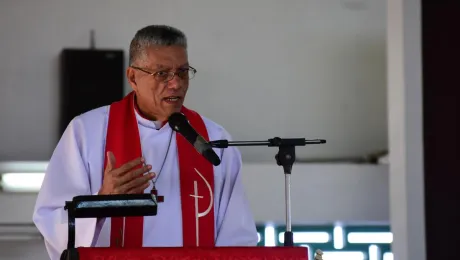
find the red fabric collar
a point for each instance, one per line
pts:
(196, 179)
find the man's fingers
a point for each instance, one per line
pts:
(128, 166)
(110, 161)
(136, 183)
(127, 177)
(139, 189)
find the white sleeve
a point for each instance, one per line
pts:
(66, 177)
(236, 225)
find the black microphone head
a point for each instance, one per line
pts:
(177, 120)
(179, 123)
(212, 157)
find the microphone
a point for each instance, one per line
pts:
(180, 124)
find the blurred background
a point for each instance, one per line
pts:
(301, 68)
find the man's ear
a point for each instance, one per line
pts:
(131, 76)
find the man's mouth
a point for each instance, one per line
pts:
(172, 99)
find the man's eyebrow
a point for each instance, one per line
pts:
(161, 66)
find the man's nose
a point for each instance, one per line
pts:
(174, 83)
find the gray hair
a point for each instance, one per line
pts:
(162, 35)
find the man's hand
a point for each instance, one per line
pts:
(125, 179)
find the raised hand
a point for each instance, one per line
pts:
(126, 179)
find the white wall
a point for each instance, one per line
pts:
(321, 193)
(33, 250)
(313, 69)
(405, 94)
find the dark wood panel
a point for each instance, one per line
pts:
(441, 105)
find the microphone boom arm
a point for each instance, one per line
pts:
(270, 142)
(286, 158)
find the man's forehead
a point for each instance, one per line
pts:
(166, 57)
(166, 51)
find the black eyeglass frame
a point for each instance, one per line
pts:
(171, 74)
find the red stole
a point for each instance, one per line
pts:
(196, 178)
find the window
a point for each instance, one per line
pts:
(337, 242)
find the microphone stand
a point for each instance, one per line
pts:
(286, 158)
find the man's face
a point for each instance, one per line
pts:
(158, 98)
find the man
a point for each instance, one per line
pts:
(127, 148)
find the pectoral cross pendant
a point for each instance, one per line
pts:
(154, 191)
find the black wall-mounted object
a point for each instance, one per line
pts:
(90, 78)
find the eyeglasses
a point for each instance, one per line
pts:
(165, 76)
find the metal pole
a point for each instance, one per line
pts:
(288, 201)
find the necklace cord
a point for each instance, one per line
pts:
(164, 160)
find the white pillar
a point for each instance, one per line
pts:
(407, 216)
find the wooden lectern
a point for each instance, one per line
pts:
(100, 206)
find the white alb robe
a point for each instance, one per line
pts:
(76, 168)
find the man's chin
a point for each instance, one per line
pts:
(175, 110)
